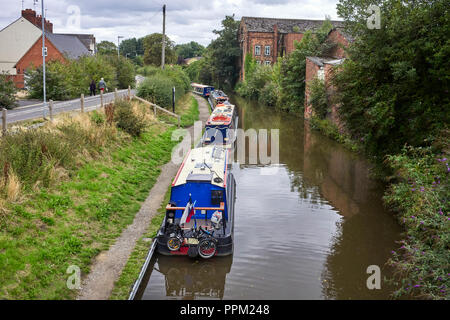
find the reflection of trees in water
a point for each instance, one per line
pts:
(320, 169)
(361, 241)
(188, 279)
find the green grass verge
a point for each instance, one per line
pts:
(188, 110)
(131, 271)
(70, 223)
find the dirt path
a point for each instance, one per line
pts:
(108, 265)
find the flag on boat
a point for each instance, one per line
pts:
(189, 211)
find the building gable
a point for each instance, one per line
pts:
(16, 39)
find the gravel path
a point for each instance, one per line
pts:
(108, 265)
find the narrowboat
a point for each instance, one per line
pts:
(220, 129)
(217, 97)
(199, 218)
(202, 89)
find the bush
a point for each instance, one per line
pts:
(269, 94)
(318, 98)
(157, 88)
(420, 197)
(126, 119)
(7, 92)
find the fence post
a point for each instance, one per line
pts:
(4, 126)
(101, 98)
(82, 103)
(50, 109)
(179, 121)
(129, 93)
(115, 95)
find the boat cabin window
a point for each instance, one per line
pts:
(216, 197)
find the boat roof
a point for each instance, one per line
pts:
(194, 169)
(200, 85)
(223, 111)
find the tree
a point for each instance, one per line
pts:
(7, 92)
(224, 52)
(189, 50)
(393, 89)
(106, 48)
(293, 67)
(153, 50)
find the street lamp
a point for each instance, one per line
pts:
(118, 40)
(44, 54)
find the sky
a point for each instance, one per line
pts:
(187, 20)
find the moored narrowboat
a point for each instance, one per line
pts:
(220, 129)
(217, 97)
(201, 89)
(199, 218)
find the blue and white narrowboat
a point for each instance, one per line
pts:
(201, 89)
(199, 218)
(217, 97)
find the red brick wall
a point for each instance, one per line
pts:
(336, 37)
(289, 41)
(34, 57)
(262, 39)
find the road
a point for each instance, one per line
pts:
(38, 110)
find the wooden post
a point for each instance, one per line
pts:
(154, 110)
(82, 103)
(4, 126)
(50, 109)
(116, 96)
(179, 121)
(129, 93)
(101, 98)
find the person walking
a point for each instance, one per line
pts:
(92, 87)
(102, 85)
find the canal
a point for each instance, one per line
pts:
(309, 231)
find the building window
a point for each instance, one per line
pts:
(267, 63)
(267, 50)
(257, 50)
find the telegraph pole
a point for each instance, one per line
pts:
(163, 55)
(118, 45)
(44, 53)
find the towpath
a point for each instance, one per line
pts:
(108, 265)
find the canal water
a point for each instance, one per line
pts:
(310, 231)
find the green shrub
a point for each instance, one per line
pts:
(126, 119)
(318, 98)
(157, 87)
(269, 94)
(7, 92)
(420, 196)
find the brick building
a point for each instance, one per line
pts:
(21, 45)
(269, 38)
(324, 69)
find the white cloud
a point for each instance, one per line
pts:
(187, 20)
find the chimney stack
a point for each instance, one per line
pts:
(31, 16)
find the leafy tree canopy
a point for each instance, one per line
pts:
(189, 50)
(106, 48)
(153, 50)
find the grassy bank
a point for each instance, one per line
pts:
(68, 190)
(131, 270)
(187, 108)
